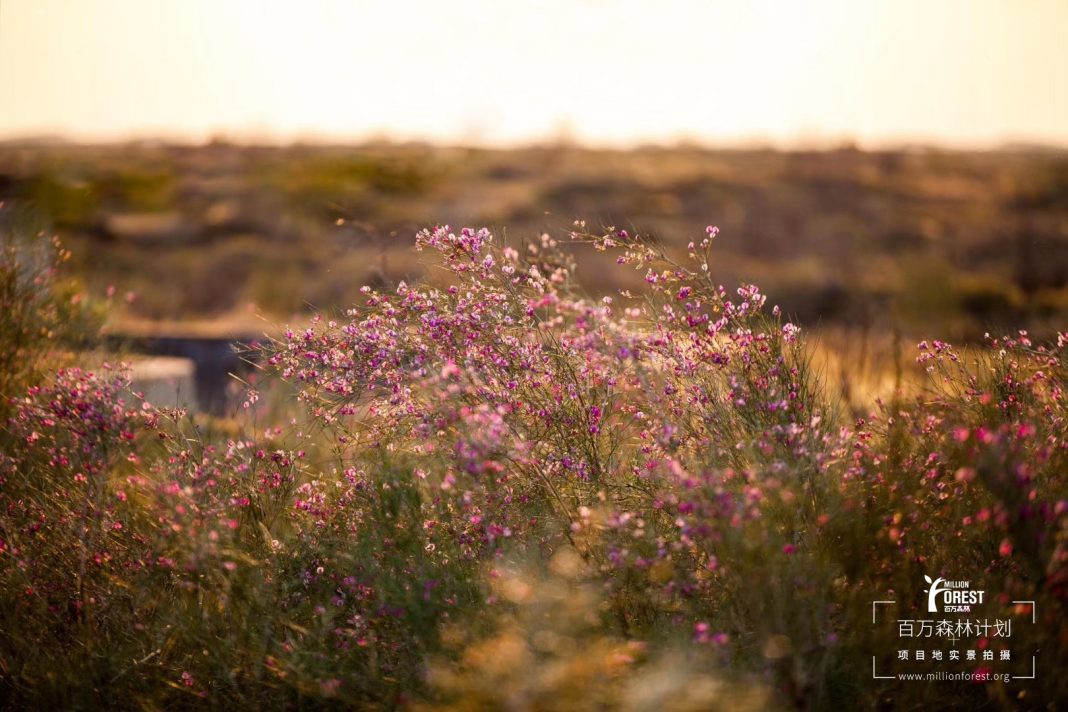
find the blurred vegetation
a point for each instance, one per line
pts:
(41, 315)
(920, 240)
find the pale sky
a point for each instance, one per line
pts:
(788, 72)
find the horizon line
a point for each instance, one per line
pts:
(260, 139)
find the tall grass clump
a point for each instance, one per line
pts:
(41, 315)
(490, 491)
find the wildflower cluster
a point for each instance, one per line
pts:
(469, 457)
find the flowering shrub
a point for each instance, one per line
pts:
(71, 538)
(492, 474)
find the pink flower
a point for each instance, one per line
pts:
(329, 688)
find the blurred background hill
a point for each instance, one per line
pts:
(929, 241)
(871, 165)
